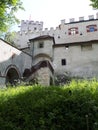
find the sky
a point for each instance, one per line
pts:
(51, 12)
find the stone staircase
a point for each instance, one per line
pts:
(34, 73)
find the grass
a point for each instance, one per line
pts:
(70, 107)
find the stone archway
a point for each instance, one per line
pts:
(12, 76)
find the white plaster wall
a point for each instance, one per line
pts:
(12, 56)
(86, 36)
(22, 39)
(60, 33)
(47, 49)
(78, 62)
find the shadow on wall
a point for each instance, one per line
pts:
(29, 73)
(12, 69)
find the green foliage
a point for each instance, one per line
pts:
(94, 3)
(70, 107)
(9, 37)
(7, 13)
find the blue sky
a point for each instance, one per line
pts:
(51, 12)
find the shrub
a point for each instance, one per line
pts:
(70, 107)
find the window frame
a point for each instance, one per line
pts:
(88, 28)
(41, 45)
(73, 31)
(63, 62)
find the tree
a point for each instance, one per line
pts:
(7, 13)
(9, 37)
(94, 3)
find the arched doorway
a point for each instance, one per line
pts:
(12, 76)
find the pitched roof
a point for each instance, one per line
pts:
(43, 37)
(13, 46)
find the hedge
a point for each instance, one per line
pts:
(70, 107)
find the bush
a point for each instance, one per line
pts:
(70, 107)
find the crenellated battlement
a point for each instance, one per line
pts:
(81, 19)
(28, 26)
(65, 31)
(26, 22)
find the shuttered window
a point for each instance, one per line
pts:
(73, 31)
(91, 28)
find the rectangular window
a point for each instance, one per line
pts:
(63, 61)
(73, 31)
(41, 45)
(35, 28)
(91, 28)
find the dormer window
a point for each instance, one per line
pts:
(91, 28)
(73, 31)
(41, 45)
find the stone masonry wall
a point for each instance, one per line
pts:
(81, 60)
(60, 33)
(43, 76)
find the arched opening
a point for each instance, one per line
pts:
(12, 77)
(42, 55)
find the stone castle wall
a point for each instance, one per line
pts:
(81, 60)
(11, 57)
(29, 29)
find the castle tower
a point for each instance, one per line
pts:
(42, 53)
(30, 26)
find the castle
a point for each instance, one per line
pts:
(70, 49)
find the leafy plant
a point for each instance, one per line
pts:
(73, 106)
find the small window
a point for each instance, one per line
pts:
(35, 28)
(91, 28)
(73, 31)
(41, 45)
(63, 61)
